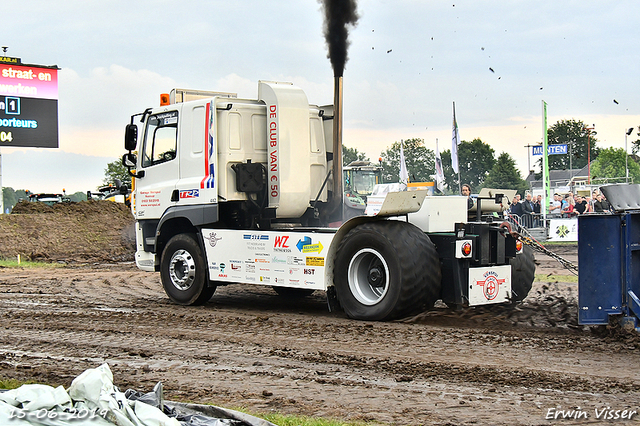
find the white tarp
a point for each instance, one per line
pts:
(92, 399)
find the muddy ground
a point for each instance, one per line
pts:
(249, 347)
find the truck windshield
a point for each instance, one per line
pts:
(361, 182)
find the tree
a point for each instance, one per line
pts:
(577, 136)
(78, 196)
(475, 160)
(635, 145)
(115, 170)
(420, 161)
(352, 154)
(11, 197)
(611, 164)
(505, 175)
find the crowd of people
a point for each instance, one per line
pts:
(570, 206)
(561, 206)
(529, 210)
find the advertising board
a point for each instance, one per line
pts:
(28, 104)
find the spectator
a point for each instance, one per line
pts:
(592, 201)
(527, 211)
(564, 202)
(537, 205)
(527, 204)
(569, 202)
(601, 205)
(589, 204)
(555, 206)
(581, 206)
(466, 191)
(516, 207)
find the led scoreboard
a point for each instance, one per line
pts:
(28, 104)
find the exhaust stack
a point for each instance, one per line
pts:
(337, 198)
(339, 16)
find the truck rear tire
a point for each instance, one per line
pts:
(385, 270)
(183, 271)
(523, 273)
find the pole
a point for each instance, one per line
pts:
(528, 157)
(626, 155)
(626, 160)
(589, 129)
(545, 161)
(570, 161)
(589, 157)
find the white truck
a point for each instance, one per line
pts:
(229, 190)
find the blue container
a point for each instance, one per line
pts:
(609, 267)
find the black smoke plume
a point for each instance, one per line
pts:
(338, 15)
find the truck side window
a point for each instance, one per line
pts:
(161, 138)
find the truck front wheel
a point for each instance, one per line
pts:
(386, 270)
(183, 271)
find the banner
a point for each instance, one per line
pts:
(455, 141)
(439, 171)
(551, 150)
(563, 229)
(404, 174)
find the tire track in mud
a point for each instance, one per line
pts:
(249, 347)
(110, 330)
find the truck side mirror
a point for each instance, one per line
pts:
(129, 160)
(130, 137)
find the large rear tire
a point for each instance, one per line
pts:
(183, 271)
(386, 270)
(523, 273)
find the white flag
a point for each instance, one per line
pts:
(455, 141)
(439, 171)
(404, 174)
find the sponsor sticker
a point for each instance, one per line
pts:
(189, 193)
(315, 261)
(491, 285)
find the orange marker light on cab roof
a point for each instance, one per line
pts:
(164, 99)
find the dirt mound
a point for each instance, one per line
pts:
(25, 207)
(88, 231)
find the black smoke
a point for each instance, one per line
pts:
(338, 16)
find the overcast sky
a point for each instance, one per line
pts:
(409, 60)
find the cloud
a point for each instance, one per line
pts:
(94, 109)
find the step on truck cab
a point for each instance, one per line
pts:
(230, 190)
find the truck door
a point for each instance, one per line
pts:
(198, 154)
(160, 165)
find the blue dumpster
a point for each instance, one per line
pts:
(609, 259)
